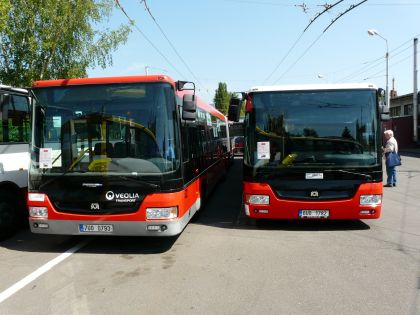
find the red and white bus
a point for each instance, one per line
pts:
(313, 151)
(15, 132)
(122, 155)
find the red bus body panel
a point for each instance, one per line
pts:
(289, 209)
(183, 199)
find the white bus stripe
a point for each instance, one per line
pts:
(40, 271)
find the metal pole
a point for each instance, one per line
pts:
(388, 104)
(415, 101)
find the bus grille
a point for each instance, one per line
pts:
(97, 208)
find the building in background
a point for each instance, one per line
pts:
(401, 111)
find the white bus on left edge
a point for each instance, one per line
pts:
(15, 132)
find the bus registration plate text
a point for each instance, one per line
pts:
(92, 228)
(313, 214)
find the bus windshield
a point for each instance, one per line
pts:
(325, 128)
(109, 128)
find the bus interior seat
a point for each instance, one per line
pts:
(103, 148)
(120, 150)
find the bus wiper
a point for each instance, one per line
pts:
(155, 187)
(365, 176)
(59, 176)
(312, 163)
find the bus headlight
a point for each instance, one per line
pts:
(161, 213)
(38, 212)
(370, 200)
(258, 199)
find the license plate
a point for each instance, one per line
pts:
(91, 228)
(314, 214)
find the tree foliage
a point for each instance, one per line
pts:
(222, 98)
(50, 39)
(4, 8)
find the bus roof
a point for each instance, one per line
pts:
(313, 87)
(126, 79)
(13, 89)
(104, 80)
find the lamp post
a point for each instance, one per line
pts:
(373, 33)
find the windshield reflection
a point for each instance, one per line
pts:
(115, 128)
(307, 128)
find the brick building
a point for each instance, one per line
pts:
(401, 111)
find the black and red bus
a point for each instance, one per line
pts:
(313, 151)
(130, 155)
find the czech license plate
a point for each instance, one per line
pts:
(313, 214)
(91, 228)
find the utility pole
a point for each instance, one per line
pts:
(415, 101)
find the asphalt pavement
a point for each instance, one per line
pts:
(222, 265)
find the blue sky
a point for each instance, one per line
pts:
(253, 42)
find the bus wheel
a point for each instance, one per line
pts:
(8, 218)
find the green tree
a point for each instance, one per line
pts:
(222, 98)
(4, 8)
(50, 39)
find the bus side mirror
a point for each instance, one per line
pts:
(234, 109)
(189, 107)
(383, 108)
(381, 100)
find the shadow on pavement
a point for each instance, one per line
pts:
(27, 242)
(311, 225)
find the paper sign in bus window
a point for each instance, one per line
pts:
(263, 150)
(45, 158)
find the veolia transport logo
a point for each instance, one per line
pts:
(122, 197)
(110, 195)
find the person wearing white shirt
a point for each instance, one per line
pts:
(391, 145)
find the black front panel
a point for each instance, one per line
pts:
(336, 184)
(315, 189)
(92, 206)
(97, 196)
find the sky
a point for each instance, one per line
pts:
(246, 43)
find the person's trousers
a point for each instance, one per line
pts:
(391, 174)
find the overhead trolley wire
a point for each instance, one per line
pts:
(353, 6)
(327, 8)
(390, 66)
(172, 46)
(374, 63)
(300, 57)
(132, 22)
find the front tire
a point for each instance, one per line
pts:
(8, 218)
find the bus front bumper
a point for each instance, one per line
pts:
(269, 206)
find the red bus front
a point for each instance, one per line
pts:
(313, 153)
(114, 156)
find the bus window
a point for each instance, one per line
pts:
(14, 122)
